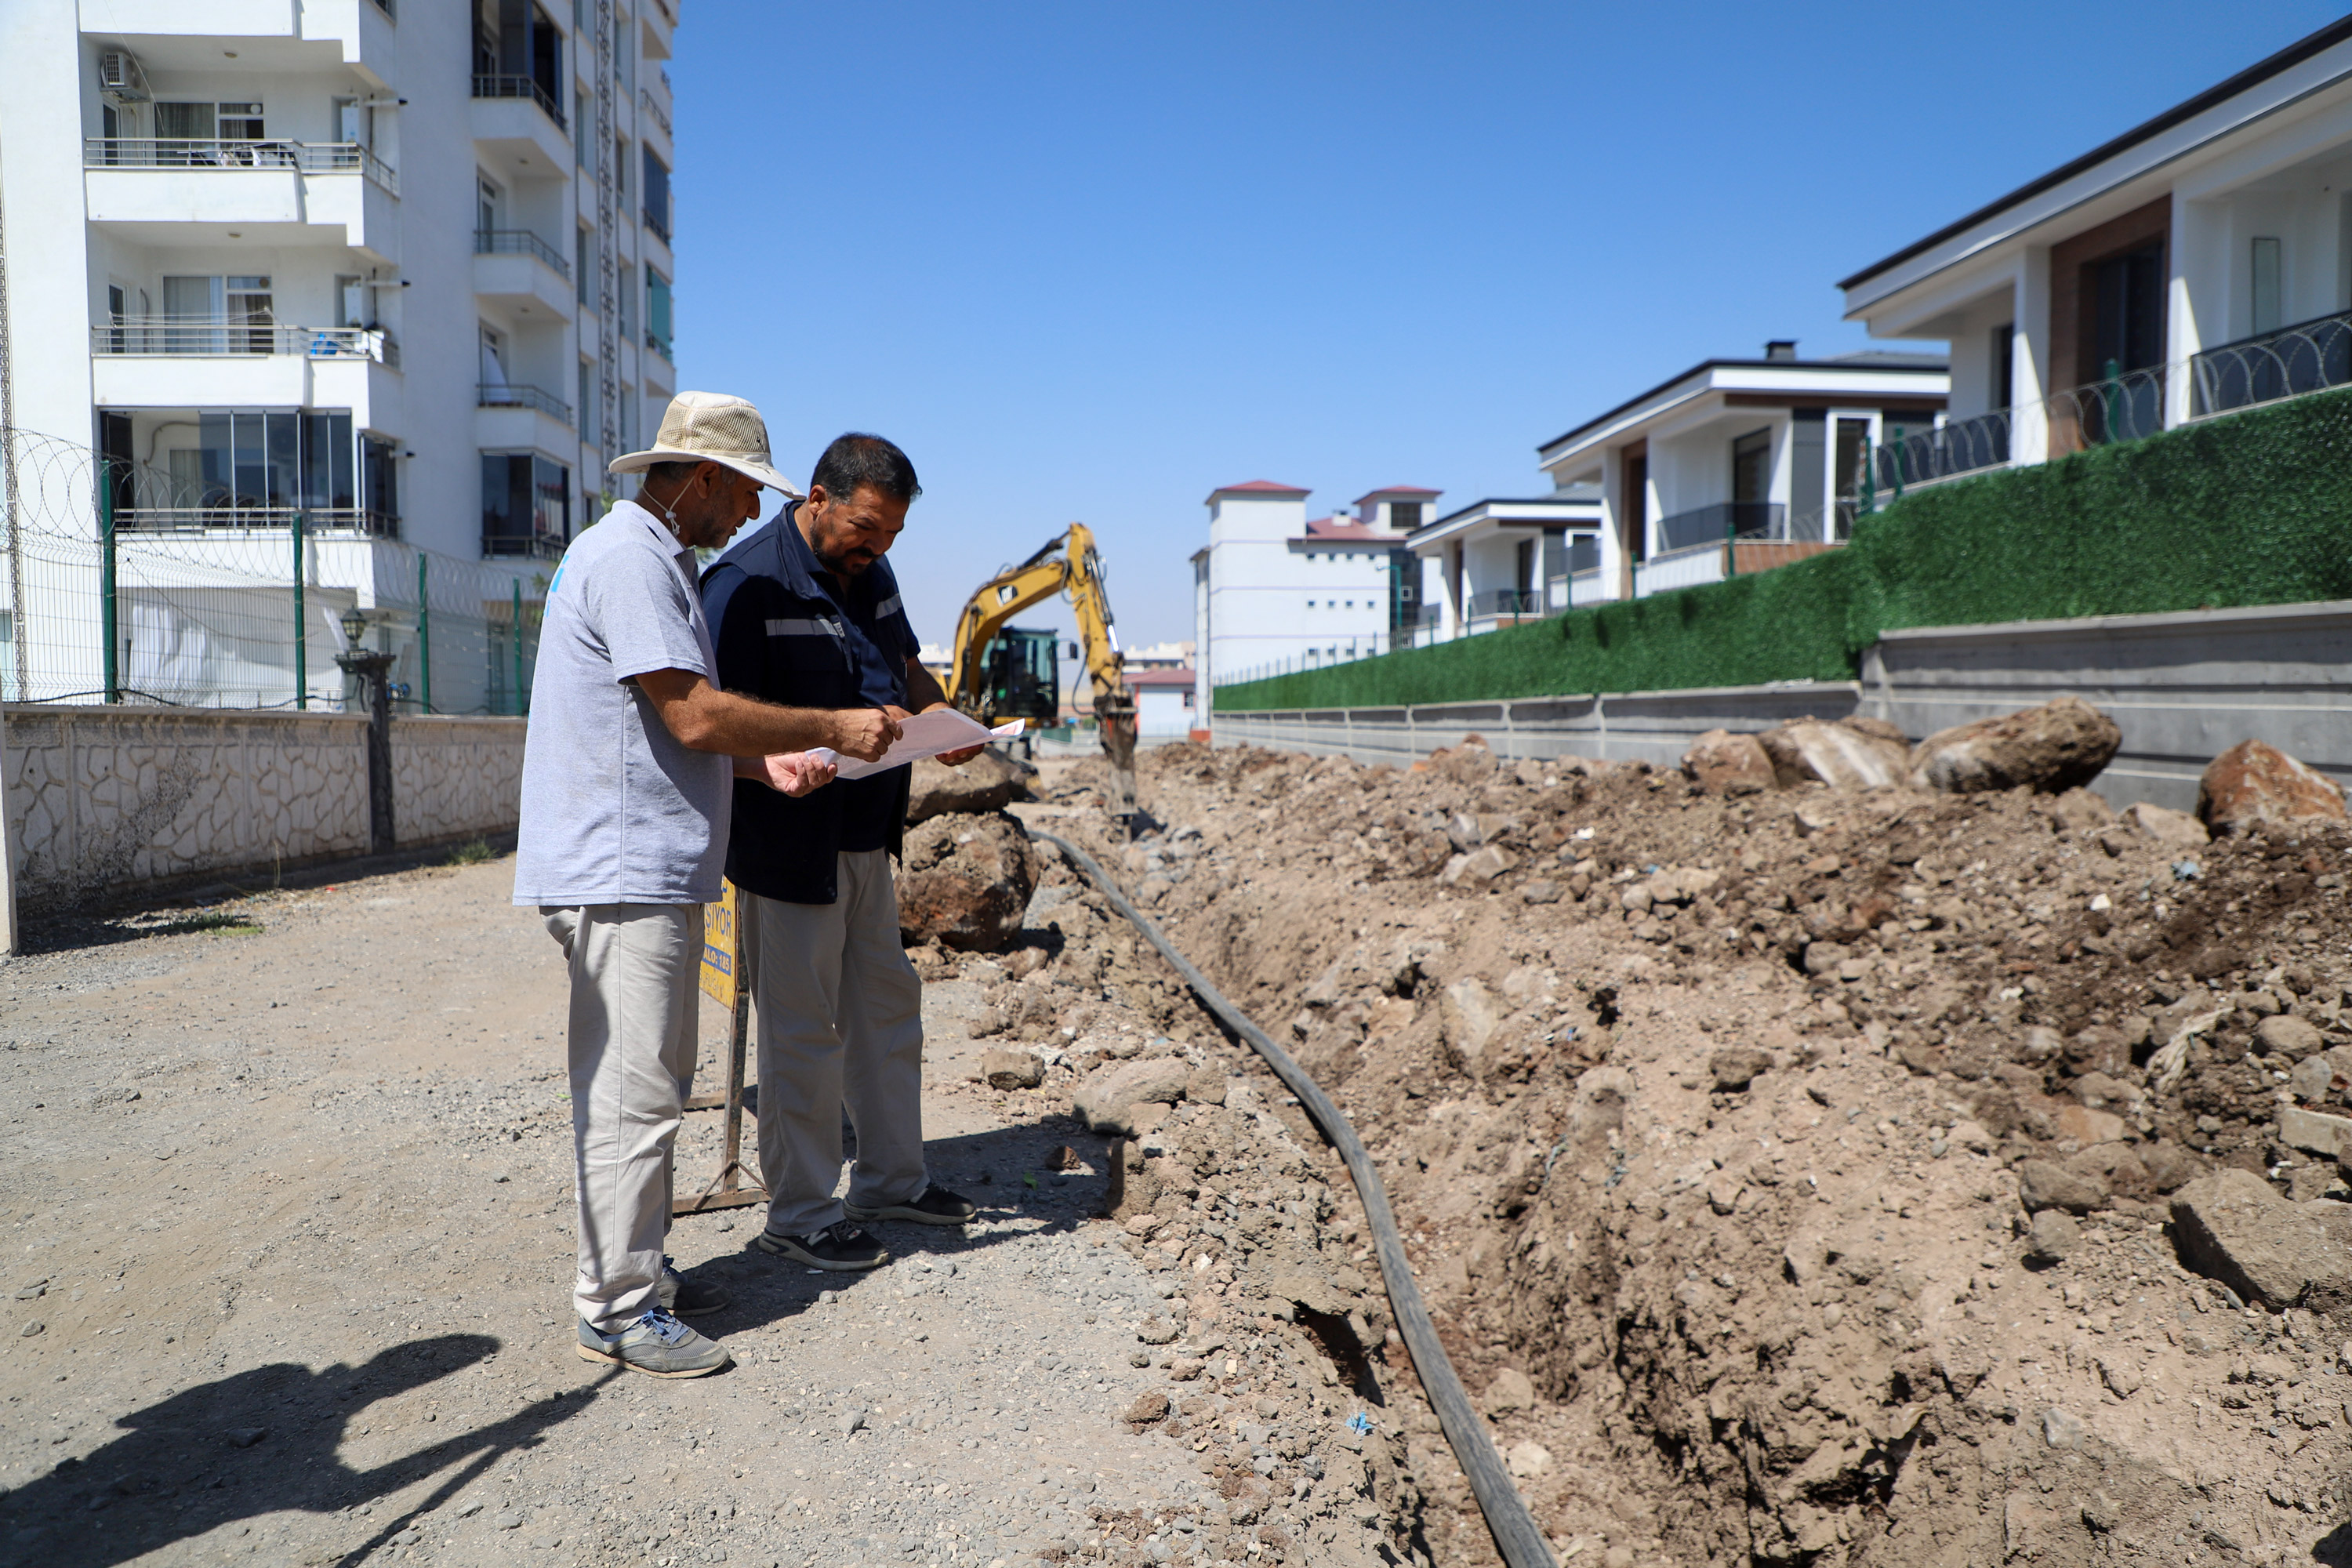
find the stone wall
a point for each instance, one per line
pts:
(101, 798)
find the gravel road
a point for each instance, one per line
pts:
(291, 1250)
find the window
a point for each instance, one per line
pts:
(584, 263)
(2269, 314)
(1523, 576)
(588, 401)
(240, 121)
(277, 460)
(657, 303)
(1751, 468)
(1852, 446)
(1404, 514)
(657, 194)
(1583, 552)
(629, 302)
(380, 484)
(583, 138)
(494, 360)
(621, 168)
(525, 504)
(486, 205)
(2001, 354)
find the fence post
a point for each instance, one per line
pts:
(301, 652)
(108, 613)
(424, 635)
(520, 705)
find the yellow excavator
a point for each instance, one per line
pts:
(1003, 672)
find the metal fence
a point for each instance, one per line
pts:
(243, 612)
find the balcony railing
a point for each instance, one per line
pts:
(515, 395)
(231, 516)
(2125, 405)
(519, 87)
(1725, 520)
(657, 224)
(519, 242)
(1506, 602)
(177, 336)
(2310, 356)
(654, 110)
(195, 152)
(661, 346)
(536, 546)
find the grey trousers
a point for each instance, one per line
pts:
(841, 1025)
(634, 978)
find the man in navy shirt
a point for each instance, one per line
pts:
(805, 611)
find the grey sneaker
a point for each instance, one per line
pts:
(933, 1205)
(686, 1298)
(657, 1344)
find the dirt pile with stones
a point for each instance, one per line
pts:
(1815, 1175)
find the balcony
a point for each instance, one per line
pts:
(517, 267)
(512, 416)
(1725, 520)
(149, 190)
(238, 519)
(1586, 587)
(362, 30)
(176, 335)
(169, 361)
(2310, 356)
(519, 119)
(2125, 405)
(655, 111)
(527, 87)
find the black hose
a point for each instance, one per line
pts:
(1515, 1534)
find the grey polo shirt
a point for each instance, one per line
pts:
(615, 810)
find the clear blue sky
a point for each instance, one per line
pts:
(1087, 262)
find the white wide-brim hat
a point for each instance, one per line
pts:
(710, 427)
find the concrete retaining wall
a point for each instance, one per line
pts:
(2183, 687)
(99, 798)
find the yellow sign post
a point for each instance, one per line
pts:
(725, 944)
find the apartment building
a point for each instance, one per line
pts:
(1273, 588)
(392, 274)
(2198, 264)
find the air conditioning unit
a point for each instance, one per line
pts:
(119, 73)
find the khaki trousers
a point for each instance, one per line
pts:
(633, 973)
(841, 1025)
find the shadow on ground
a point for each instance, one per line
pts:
(254, 1443)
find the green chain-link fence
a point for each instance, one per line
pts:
(235, 606)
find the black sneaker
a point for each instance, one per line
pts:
(936, 1206)
(840, 1247)
(685, 1298)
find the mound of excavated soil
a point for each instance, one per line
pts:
(1806, 1176)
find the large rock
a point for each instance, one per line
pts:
(965, 882)
(1724, 764)
(2052, 748)
(2233, 1227)
(2253, 782)
(989, 781)
(1106, 1098)
(1856, 755)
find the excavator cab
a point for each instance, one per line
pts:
(1021, 676)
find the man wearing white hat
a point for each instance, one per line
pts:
(628, 778)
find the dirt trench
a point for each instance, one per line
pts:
(1707, 1121)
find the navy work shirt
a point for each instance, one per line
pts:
(784, 633)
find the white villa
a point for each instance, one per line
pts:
(1735, 464)
(2195, 265)
(395, 278)
(1496, 563)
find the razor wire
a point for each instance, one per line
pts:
(125, 583)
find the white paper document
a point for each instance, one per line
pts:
(924, 735)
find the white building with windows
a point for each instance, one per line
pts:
(395, 271)
(1736, 465)
(2197, 264)
(1496, 563)
(1273, 590)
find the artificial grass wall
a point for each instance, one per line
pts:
(2247, 508)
